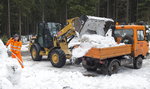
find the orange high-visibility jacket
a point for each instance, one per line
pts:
(15, 47)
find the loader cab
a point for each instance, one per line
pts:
(134, 35)
(46, 32)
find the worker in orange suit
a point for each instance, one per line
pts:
(15, 48)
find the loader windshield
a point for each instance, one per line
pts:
(123, 32)
(53, 28)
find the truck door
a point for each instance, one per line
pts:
(142, 44)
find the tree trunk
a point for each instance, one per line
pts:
(19, 21)
(43, 12)
(115, 9)
(98, 8)
(137, 11)
(9, 30)
(127, 12)
(66, 12)
(108, 8)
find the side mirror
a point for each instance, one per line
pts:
(148, 36)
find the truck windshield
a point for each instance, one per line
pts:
(123, 32)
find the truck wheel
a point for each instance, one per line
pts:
(137, 64)
(113, 67)
(35, 52)
(57, 58)
(86, 65)
(127, 40)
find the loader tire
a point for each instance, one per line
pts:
(127, 40)
(35, 52)
(137, 64)
(57, 58)
(88, 67)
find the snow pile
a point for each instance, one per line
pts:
(24, 39)
(73, 42)
(93, 41)
(25, 47)
(25, 42)
(10, 69)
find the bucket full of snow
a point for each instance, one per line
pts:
(93, 25)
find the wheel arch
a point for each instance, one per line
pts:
(36, 45)
(119, 62)
(142, 56)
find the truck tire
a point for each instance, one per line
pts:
(57, 58)
(113, 66)
(137, 64)
(127, 39)
(88, 67)
(35, 52)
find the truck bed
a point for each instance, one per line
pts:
(103, 53)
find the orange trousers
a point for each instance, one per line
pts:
(19, 57)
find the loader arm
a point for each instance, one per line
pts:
(61, 39)
(68, 30)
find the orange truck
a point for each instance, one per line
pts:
(108, 60)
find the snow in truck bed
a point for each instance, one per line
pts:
(88, 41)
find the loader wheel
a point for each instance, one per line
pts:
(57, 58)
(137, 64)
(113, 67)
(127, 40)
(89, 66)
(35, 50)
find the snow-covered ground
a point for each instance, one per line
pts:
(42, 75)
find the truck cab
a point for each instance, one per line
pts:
(135, 35)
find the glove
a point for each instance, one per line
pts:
(9, 51)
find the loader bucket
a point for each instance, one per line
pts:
(92, 25)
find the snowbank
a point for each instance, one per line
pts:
(25, 42)
(93, 41)
(10, 69)
(25, 47)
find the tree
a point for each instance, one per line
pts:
(143, 11)
(24, 15)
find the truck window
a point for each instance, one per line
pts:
(123, 32)
(140, 34)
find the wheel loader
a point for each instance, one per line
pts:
(52, 41)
